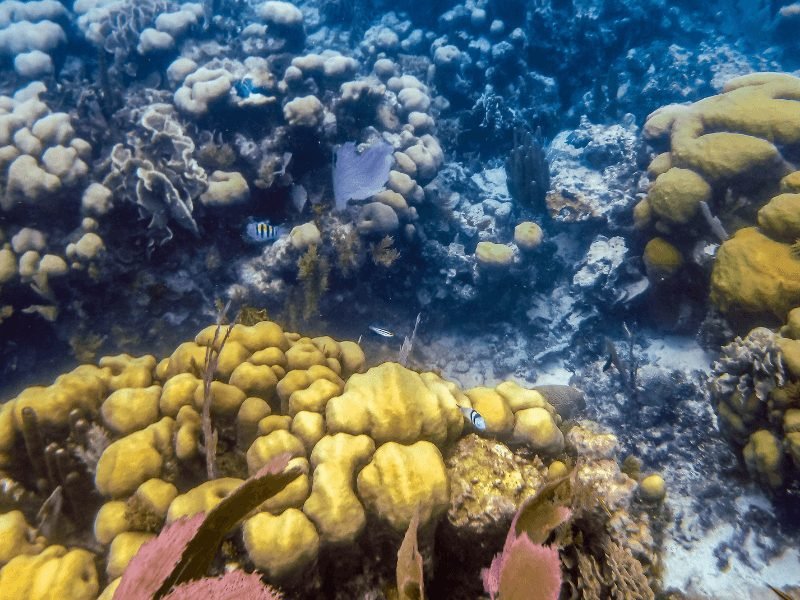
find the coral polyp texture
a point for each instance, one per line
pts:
(124, 446)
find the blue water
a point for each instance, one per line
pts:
(139, 139)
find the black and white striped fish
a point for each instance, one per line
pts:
(262, 232)
(474, 417)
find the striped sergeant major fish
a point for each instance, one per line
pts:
(474, 417)
(262, 232)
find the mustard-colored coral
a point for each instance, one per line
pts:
(661, 259)
(494, 256)
(133, 459)
(333, 505)
(676, 195)
(281, 546)
(129, 409)
(401, 479)
(763, 456)
(53, 573)
(755, 274)
(392, 403)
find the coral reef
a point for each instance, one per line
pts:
(382, 447)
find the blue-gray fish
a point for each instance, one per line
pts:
(474, 417)
(262, 232)
(381, 331)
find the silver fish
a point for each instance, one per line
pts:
(381, 331)
(262, 232)
(474, 417)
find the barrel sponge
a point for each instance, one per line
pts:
(82, 388)
(129, 409)
(780, 218)
(53, 573)
(763, 456)
(392, 403)
(755, 274)
(401, 479)
(130, 461)
(281, 546)
(676, 195)
(333, 505)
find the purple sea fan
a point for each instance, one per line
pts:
(235, 585)
(524, 571)
(359, 176)
(157, 558)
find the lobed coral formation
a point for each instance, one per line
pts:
(373, 447)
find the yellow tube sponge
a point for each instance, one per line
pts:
(129, 409)
(763, 456)
(53, 573)
(128, 371)
(333, 505)
(755, 274)
(123, 548)
(392, 403)
(402, 479)
(15, 534)
(281, 546)
(130, 461)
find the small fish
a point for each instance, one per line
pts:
(262, 232)
(381, 331)
(246, 86)
(474, 417)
